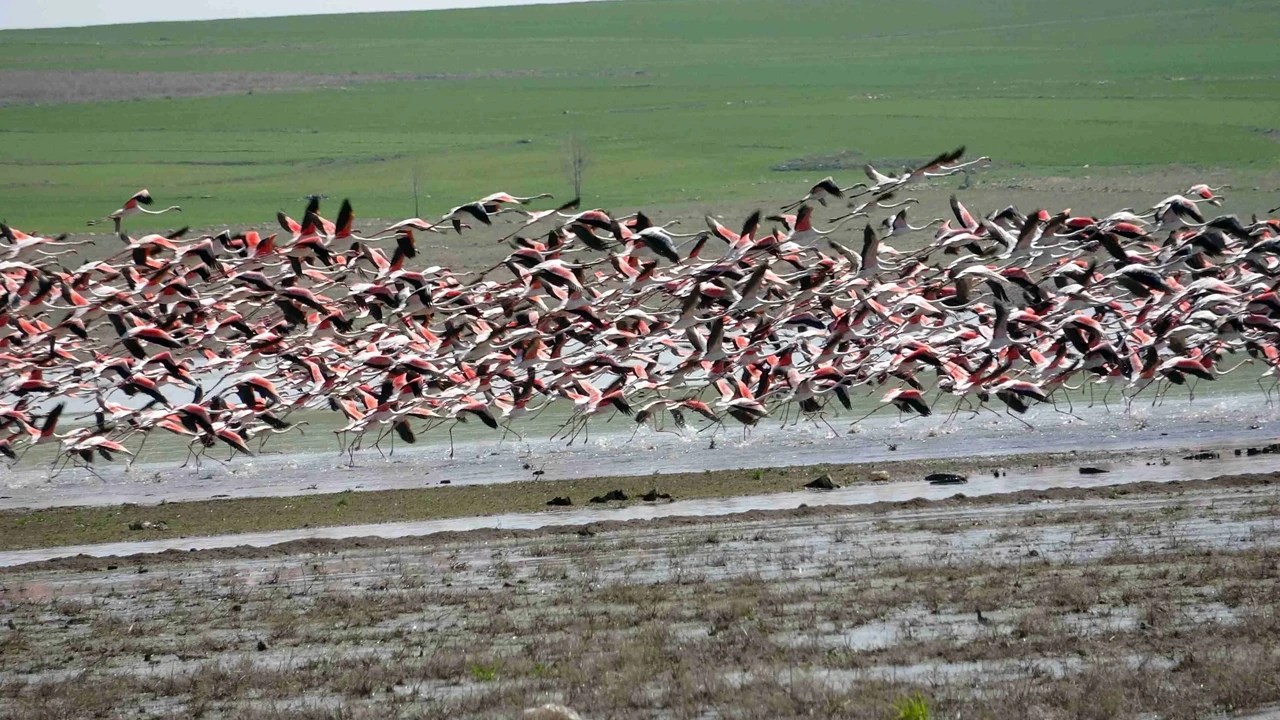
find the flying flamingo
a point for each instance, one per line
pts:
(133, 206)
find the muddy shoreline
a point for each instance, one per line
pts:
(25, 529)
(323, 546)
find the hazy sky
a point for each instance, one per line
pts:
(63, 13)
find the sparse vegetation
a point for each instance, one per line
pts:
(764, 616)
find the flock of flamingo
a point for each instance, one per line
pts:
(220, 339)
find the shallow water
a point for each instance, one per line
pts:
(1060, 476)
(481, 458)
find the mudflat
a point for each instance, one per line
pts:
(1106, 602)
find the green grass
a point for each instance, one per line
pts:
(914, 707)
(682, 101)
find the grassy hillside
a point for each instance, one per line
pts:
(680, 100)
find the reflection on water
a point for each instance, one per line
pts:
(1014, 480)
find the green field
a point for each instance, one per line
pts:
(681, 101)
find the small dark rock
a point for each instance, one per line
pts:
(943, 478)
(1033, 553)
(654, 496)
(610, 497)
(822, 482)
(1093, 471)
(1206, 455)
(559, 502)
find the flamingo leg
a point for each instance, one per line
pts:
(1015, 417)
(137, 454)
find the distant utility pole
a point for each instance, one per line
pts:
(576, 157)
(414, 177)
